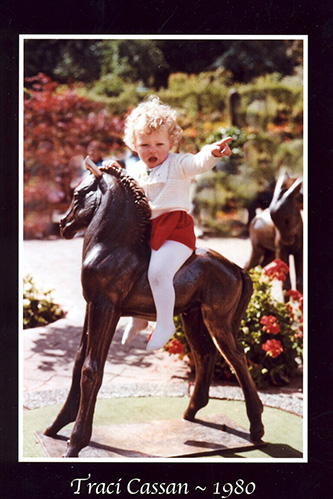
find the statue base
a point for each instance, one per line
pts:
(170, 438)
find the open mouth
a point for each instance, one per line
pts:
(153, 159)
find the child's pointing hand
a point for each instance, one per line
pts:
(221, 148)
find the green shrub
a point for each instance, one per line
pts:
(239, 137)
(271, 332)
(195, 94)
(290, 155)
(273, 86)
(38, 306)
(270, 99)
(116, 104)
(110, 85)
(261, 150)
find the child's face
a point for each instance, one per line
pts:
(153, 148)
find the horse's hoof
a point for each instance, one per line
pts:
(189, 415)
(70, 452)
(50, 432)
(256, 434)
(69, 455)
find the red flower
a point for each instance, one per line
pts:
(290, 310)
(273, 348)
(277, 270)
(270, 324)
(296, 296)
(175, 347)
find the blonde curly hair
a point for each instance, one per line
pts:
(150, 116)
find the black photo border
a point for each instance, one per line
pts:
(276, 480)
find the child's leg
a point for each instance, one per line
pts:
(133, 328)
(164, 263)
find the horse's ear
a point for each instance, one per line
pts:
(92, 167)
(295, 189)
(282, 179)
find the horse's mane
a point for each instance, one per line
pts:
(138, 195)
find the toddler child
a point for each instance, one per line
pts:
(151, 131)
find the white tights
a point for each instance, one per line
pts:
(163, 265)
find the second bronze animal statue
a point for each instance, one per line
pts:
(277, 232)
(212, 295)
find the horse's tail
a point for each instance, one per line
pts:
(247, 290)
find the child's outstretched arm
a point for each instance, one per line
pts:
(194, 164)
(221, 148)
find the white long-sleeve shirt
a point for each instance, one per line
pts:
(167, 186)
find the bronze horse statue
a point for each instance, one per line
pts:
(277, 232)
(212, 295)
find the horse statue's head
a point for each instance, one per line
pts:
(285, 208)
(86, 199)
(107, 190)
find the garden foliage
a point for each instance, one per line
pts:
(39, 308)
(58, 125)
(271, 332)
(60, 120)
(152, 61)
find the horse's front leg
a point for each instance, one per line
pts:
(102, 320)
(298, 257)
(256, 255)
(70, 409)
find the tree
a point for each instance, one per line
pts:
(152, 61)
(58, 127)
(191, 56)
(41, 56)
(247, 59)
(133, 60)
(63, 60)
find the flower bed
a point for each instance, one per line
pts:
(271, 332)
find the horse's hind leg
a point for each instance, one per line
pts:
(225, 340)
(102, 321)
(204, 353)
(70, 409)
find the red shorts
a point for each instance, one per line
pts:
(175, 226)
